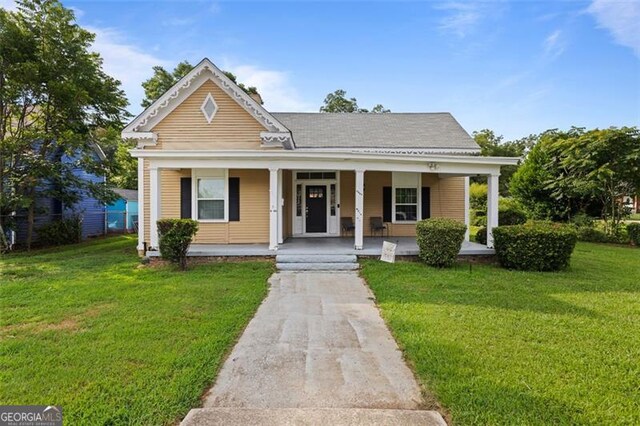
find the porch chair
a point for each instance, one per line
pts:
(377, 225)
(346, 225)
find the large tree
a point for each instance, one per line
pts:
(338, 102)
(571, 171)
(162, 80)
(54, 99)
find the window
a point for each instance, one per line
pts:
(315, 175)
(406, 197)
(211, 195)
(406, 204)
(332, 198)
(298, 200)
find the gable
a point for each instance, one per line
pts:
(144, 128)
(187, 127)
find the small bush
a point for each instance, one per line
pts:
(175, 238)
(510, 212)
(633, 230)
(439, 241)
(592, 235)
(582, 220)
(67, 230)
(478, 196)
(478, 217)
(535, 246)
(481, 235)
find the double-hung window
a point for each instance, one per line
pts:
(406, 201)
(211, 195)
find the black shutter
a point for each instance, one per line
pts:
(185, 198)
(234, 199)
(386, 204)
(426, 202)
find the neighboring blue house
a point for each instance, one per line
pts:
(122, 215)
(50, 209)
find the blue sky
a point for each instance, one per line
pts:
(514, 67)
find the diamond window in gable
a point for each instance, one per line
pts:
(209, 108)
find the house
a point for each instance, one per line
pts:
(122, 214)
(206, 150)
(49, 208)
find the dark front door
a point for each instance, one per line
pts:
(316, 208)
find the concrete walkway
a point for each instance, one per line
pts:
(317, 342)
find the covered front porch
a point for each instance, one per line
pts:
(372, 246)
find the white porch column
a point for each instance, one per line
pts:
(359, 209)
(273, 209)
(280, 209)
(492, 206)
(467, 220)
(140, 247)
(154, 205)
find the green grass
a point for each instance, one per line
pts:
(507, 347)
(85, 327)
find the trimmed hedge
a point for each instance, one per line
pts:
(535, 246)
(439, 241)
(633, 230)
(175, 238)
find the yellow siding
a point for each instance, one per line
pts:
(447, 198)
(253, 226)
(186, 127)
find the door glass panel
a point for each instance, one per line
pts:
(298, 200)
(333, 199)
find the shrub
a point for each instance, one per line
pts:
(439, 241)
(535, 246)
(633, 230)
(581, 220)
(478, 196)
(592, 235)
(481, 235)
(510, 212)
(175, 238)
(67, 230)
(478, 217)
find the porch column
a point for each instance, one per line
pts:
(273, 209)
(154, 206)
(492, 207)
(467, 220)
(140, 247)
(359, 209)
(280, 209)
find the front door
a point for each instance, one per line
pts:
(316, 203)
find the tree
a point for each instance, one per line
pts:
(570, 172)
(338, 102)
(162, 80)
(495, 146)
(57, 97)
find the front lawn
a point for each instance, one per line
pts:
(506, 347)
(86, 328)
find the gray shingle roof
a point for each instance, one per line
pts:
(127, 194)
(390, 130)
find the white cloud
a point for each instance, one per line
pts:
(126, 62)
(274, 86)
(461, 19)
(554, 44)
(621, 18)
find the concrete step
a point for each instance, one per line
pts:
(316, 258)
(310, 416)
(318, 266)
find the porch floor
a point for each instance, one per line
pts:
(372, 246)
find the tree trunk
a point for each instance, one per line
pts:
(30, 220)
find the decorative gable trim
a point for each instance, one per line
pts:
(276, 140)
(202, 72)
